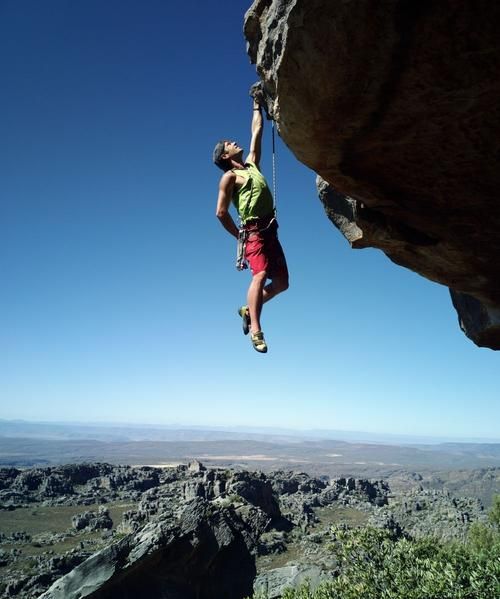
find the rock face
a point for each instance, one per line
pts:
(395, 106)
(203, 556)
(273, 584)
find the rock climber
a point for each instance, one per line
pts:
(258, 244)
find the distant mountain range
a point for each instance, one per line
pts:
(144, 432)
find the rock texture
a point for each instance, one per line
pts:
(395, 105)
(272, 584)
(202, 556)
(90, 520)
(193, 532)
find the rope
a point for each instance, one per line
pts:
(274, 169)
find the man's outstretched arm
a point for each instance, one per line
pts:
(226, 186)
(257, 128)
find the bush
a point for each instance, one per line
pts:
(373, 564)
(494, 515)
(484, 537)
(377, 564)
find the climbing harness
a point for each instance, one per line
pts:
(241, 263)
(243, 233)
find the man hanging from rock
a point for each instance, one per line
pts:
(258, 244)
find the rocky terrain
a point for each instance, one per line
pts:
(395, 106)
(103, 531)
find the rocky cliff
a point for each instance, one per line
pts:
(395, 105)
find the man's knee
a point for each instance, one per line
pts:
(280, 284)
(260, 277)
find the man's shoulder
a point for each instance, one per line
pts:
(228, 178)
(252, 165)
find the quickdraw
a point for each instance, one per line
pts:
(241, 263)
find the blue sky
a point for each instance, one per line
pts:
(119, 292)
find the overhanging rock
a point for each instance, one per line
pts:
(396, 106)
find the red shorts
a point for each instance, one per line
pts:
(263, 251)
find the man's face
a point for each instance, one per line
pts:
(231, 149)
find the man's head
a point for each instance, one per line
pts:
(224, 152)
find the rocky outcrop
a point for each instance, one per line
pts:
(202, 556)
(71, 484)
(49, 570)
(256, 489)
(395, 106)
(91, 520)
(273, 583)
(427, 512)
(198, 531)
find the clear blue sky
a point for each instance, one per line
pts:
(119, 292)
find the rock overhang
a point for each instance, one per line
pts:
(395, 106)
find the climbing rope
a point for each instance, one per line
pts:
(274, 168)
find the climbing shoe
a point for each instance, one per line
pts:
(259, 342)
(245, 319)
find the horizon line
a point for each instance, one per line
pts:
(270, 430)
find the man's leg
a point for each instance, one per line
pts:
(277, 285)
(260, 252)
(255, 298)
(277, 269)
(258, 295)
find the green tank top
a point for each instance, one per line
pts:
(254, 198)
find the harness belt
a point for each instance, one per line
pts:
(257, 225)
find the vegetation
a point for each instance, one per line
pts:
(374, 564)
(47, 528)
(484, 537)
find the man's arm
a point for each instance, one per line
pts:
(257, 128)
(226, 186)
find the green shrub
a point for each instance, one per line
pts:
(484, 537)
(375, 565)
(494, 515)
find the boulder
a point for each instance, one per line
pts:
(287, 483)
(7, 476)
(55, 485)
(255, 488)
(274, 582)
(395, 105)
(90, 520)
(204, 555)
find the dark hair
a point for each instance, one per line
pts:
(219, 150)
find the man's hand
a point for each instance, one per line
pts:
(258, 93)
